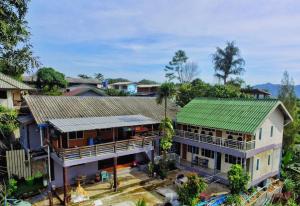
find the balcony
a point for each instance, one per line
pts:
(219, 141)
(110, 148)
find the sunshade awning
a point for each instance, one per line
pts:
(90, 123)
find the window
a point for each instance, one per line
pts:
(260, 133)
(232, 159)
(257, 164)
(207, 153)
(192, 149)
(76, 135)
(271, 135)
(3, 95)
(269, 159)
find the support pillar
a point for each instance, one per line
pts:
(115, 174)
(65, 177)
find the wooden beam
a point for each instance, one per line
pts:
(115, 174)
(65, 185)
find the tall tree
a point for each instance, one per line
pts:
(16, 56)
(166, 91)
(50, 80)
(174, 68)
(288, 97)
(189, 72)
(99, 76)
(228, 62)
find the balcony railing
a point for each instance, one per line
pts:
(103, 149)
(223, 142)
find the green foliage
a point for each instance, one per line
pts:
(8, 123)
(238, 179)
(228, 62)
(234, 200)
(84, 76)
(115, 92)
(16, 56)
(150, 168)
(288, 97)
(30, 180)
(291, 202)
(50, 80)
(111, 81)
(166, 127)
(166, 91)
(175, 67)
(99, 76)
(188, 91)
(188, 192)
(141, 202)
(147, 81)
(289, 185)
(12, 187)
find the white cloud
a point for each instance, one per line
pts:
(145, 33)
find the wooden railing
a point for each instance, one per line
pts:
(102, 149)
(223, 142)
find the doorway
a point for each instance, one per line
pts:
(219, 158)
(184, 150)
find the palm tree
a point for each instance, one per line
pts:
(228, 62)
(166, 91)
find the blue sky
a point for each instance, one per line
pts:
(134, 39)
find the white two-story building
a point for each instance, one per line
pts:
(213, 134)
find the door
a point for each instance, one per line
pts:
(64, 140)
(219, 133)
(184, 150)
(219, 155)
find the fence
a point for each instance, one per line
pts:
(17, 163)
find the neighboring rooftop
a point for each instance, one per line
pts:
(90, 123)
(44, 108)
(71, 80)
(240, 115)
(84, 91)
(122, 83)
(7, 82)
(148, 85)
(255, 91)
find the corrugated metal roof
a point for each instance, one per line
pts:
(7, 82)
(44, 108)
(242, 115)
(90, 123)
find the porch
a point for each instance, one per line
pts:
(208, 173)
(244, 144)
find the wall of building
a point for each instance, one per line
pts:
(275, 119)
(8, 102)
(265, 168)
(89, 169)
(34, 136)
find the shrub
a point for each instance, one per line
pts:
(30, 181)
(291, 202)
(141, 202)
(289, 185)
(188, 193)
(233, 200)
(238, 179)
(12, 187)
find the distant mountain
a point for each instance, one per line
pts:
(274, 88)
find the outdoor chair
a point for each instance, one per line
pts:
(104, 176)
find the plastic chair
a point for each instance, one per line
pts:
(104, 176)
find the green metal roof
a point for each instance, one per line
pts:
(241, 115)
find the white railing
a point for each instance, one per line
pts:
(102, 149)
(223, 142)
